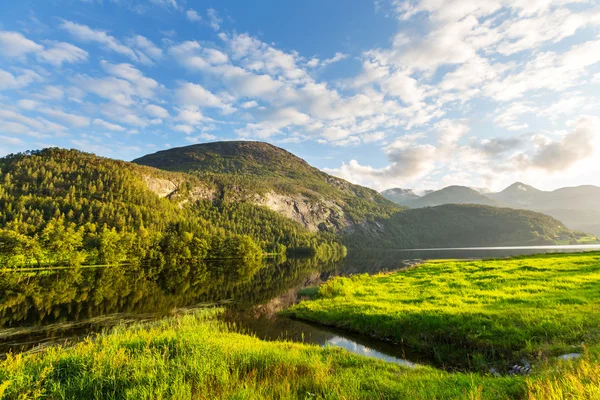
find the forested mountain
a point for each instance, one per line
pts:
(238, 200)
(68, 207)
(264, 174)
(577, 207)
(457, 225)
(260, 173)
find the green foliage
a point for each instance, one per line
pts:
(196, 356)
(458, 225)
(61, 296)
(467, 312)
(64, 207)
(240, 170)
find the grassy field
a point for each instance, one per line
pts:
(472, 314)
(196, 356)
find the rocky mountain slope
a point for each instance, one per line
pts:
(266, 175)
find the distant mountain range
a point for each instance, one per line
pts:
(577, 207)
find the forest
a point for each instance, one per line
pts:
(65, 207)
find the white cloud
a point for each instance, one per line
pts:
(28, 104)
(86, 34)
(200, 138)
(315, 62)
(194, 95)
(191, 117)
(145, 46)
(273, 123)
(11, 141)
(14, 44)
(108, 125)
(560, 155)
(61, 52)
(193, 15)
(9, 81)
(214, 19)
(143, 86)
(165, 3)
(249, 104)
(75, 120)
(187, 129)
(156, 111)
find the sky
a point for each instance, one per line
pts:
(415, 94)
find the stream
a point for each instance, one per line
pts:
(44, 308)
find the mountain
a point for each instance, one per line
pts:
(519, 195)
(578, 207)
(451, 195)
(461, 225)
(400, 196)
(238, 200)
(67, 207)
(266, 175)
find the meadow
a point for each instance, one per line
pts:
(197, 356)
(472, 315)
(488, 312)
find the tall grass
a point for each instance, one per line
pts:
(472, 313)
(579, 379)
(196, 356)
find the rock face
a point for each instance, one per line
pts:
(172, 189)
(314, 215)
(162, 187)
(266, 175)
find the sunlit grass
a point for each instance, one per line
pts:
(472, 313)
(195, 356)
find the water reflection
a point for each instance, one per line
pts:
(272, 327)
(39, 308)
(47, 306)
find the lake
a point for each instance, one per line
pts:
(42, 308)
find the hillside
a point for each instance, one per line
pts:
(454, 225)
(451, 195)
(64, 207)
(68, 207)
(263, 174)
(577, 207)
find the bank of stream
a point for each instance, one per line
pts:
(40, 309)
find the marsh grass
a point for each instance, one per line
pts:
(471, 314)
(197, 356)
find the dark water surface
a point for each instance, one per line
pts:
(41, 308)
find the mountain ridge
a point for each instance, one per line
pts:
(68, 207)
(267, 175)
(577, 206)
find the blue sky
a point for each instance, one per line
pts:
(418, 94)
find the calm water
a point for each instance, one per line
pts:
(43, 308)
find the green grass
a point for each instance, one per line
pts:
(196, 356)
(472, 314)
